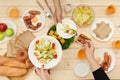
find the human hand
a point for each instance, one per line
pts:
(58, 15)
(42, 73)
(89, 49)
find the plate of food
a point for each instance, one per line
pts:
(83, 15)
(65, 43)
(33, 19)
(45, 50)
(102, 29)
(106, 58)
(7, 30)
(67, 28)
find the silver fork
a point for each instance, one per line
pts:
(46, 13)
(48, 7)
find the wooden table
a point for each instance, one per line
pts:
(64, 70)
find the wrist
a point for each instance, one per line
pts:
(93, 63)
(58, 8)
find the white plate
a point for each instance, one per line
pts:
(9, 24)
(100, 53)
(60, 26)
(52, 63)
(94, 26)
(81, 69)
(41, 19)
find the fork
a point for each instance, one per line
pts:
(46, 13)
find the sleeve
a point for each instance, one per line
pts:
(99, 74)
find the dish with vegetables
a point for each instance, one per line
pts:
(65, 43)
(67, 28)
(45, 50)
(83, 15)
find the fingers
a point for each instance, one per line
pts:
(55, 20)
(37, 70)
(91, 44)
(88, 45)
(47, 72)
(59, 18)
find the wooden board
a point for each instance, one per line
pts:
(64, 70)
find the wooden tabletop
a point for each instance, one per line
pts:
(64, 70)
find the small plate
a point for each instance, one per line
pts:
(94, 26)
(79, 71)
(52, 63)
(12, 25)
(41, 19)
(100, 53)
(60, 27)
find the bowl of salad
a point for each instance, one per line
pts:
(45, 50)
(83, 15)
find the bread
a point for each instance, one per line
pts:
(103, 30)
(22, 41)
(25, 38)
(9, 50)
(18, 77)
(12, 42)
(12, 62)
(19, 45)
(28, 76)
(10, 71)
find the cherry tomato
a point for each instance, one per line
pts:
(53, 45)
(37, 41)
(55, 56)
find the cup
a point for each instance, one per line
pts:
(116, 44)
(110, 9)
(81, 54)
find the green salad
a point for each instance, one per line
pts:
(83, 15)
(45, 50)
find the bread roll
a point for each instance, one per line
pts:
(10, 71)
(12, 62)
